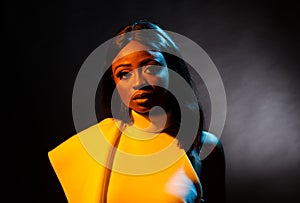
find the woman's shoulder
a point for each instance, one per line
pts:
(210, 138)
(109, 122)
(213, 168)
(79, 146)
(105, 124)
(73, 143)
(210, 144)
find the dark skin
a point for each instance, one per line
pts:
(129, 72)
(138, 75)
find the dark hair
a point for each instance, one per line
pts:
(157, 39)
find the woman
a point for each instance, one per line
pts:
(143, 118)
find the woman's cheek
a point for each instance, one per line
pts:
(162, 82)
(124, 93)
(164, 78)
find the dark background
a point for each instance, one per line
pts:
(254, 45)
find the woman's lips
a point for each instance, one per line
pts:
(143, 95)
(142, 100)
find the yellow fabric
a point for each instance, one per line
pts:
(80, 171)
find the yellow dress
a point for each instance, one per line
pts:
(151, 169)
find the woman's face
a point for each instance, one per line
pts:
(141, 77)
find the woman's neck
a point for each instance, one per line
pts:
(155, 121)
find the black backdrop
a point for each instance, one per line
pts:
(254, 45)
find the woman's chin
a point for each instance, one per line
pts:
(142, 110)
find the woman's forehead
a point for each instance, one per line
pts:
(131, 47)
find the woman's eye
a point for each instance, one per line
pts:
(124, 75)
(153, 69)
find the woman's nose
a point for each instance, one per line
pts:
(139, 81)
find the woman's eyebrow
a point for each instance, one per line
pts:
(142, 63)
(122, 65)
(146, 61)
